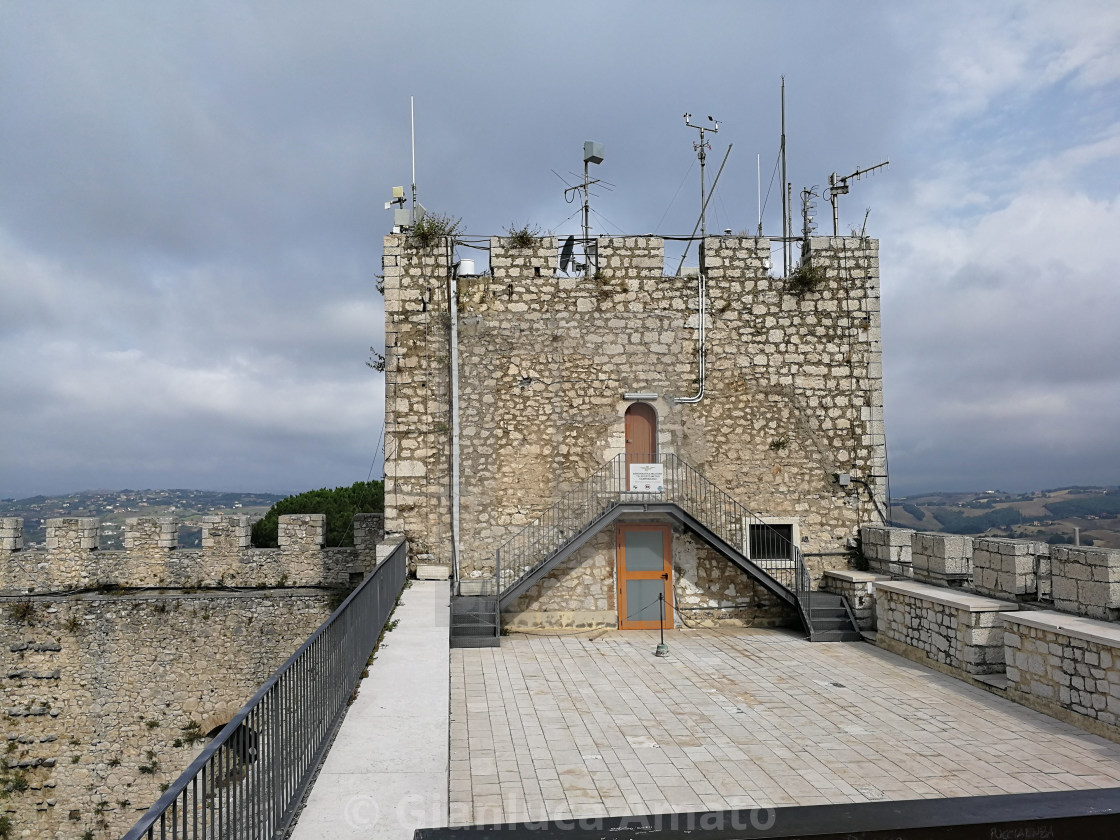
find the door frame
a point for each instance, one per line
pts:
(622, 575)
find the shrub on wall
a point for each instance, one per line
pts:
(339, 505)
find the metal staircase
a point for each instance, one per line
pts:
(685, 496)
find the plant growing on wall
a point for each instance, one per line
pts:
(856, 558)
(431, 229)
(804, 278)
(22, 612)
(523, 236)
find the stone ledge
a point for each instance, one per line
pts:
(852, 576)
(947, 597)
(1077, 627)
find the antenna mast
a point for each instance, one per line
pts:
(592, 153)
(701, 149)
(412, 109)
(758, 175)
(839, 186)
(785, 196)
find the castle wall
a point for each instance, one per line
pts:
(71, 559)
(105, 696)
(116, 664)
(792, 393)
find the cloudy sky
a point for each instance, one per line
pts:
(191, 209)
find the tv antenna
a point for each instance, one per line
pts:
(839, 186)
(592, 153)
(701, 148)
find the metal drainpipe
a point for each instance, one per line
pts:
(453, 306)
(702, 294)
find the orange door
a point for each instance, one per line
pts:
(645, 572)
(641, 434)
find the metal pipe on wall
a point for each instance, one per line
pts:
(453, 361)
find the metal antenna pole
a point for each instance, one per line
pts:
(412, 109)
(696, 226)
(586, 202)
(701, 152)
(703, 221)
(838, 186)
(785, 201)
(758, 177)
(832, 193)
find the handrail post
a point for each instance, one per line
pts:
(498, 572)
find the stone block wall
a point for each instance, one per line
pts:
(858, 589)
(1011, 568)
(369, 530)
(941, 626)
(71, 559)
(1057, 663)
(889, 550)
(792, 393)
(102, 694)
(941, 558)
(1086, 581)
(11, 533)
(1076, 579)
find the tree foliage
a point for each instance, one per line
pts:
(954, 522)
(914, 511)
(339, 505)
(1106, 505)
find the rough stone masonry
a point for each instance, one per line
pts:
(117, 665)
(792, 397)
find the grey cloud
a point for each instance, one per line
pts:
(191, 222)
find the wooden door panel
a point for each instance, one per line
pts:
(645, 570)
(641, 434)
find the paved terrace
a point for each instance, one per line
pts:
(594, 724)
(563, 727)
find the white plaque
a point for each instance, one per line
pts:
(647, 478)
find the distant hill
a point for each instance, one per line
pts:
(1046, 515)
(114, 506)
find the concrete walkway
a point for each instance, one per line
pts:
(386, 774)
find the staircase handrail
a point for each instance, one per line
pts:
(684, 486)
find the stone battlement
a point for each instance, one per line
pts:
(1081, 580)
(71, 558)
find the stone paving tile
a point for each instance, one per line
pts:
(563, 727)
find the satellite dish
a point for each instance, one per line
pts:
(566, 253)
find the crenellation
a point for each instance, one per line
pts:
(152, 558)
(301, 532)
(224, 532)
(72, 536)
(11, 535)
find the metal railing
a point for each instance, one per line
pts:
(251, 778)
(682, 485)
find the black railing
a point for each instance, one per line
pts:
(250, 779)
(680, 484)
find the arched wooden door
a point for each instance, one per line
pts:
(641, 434)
